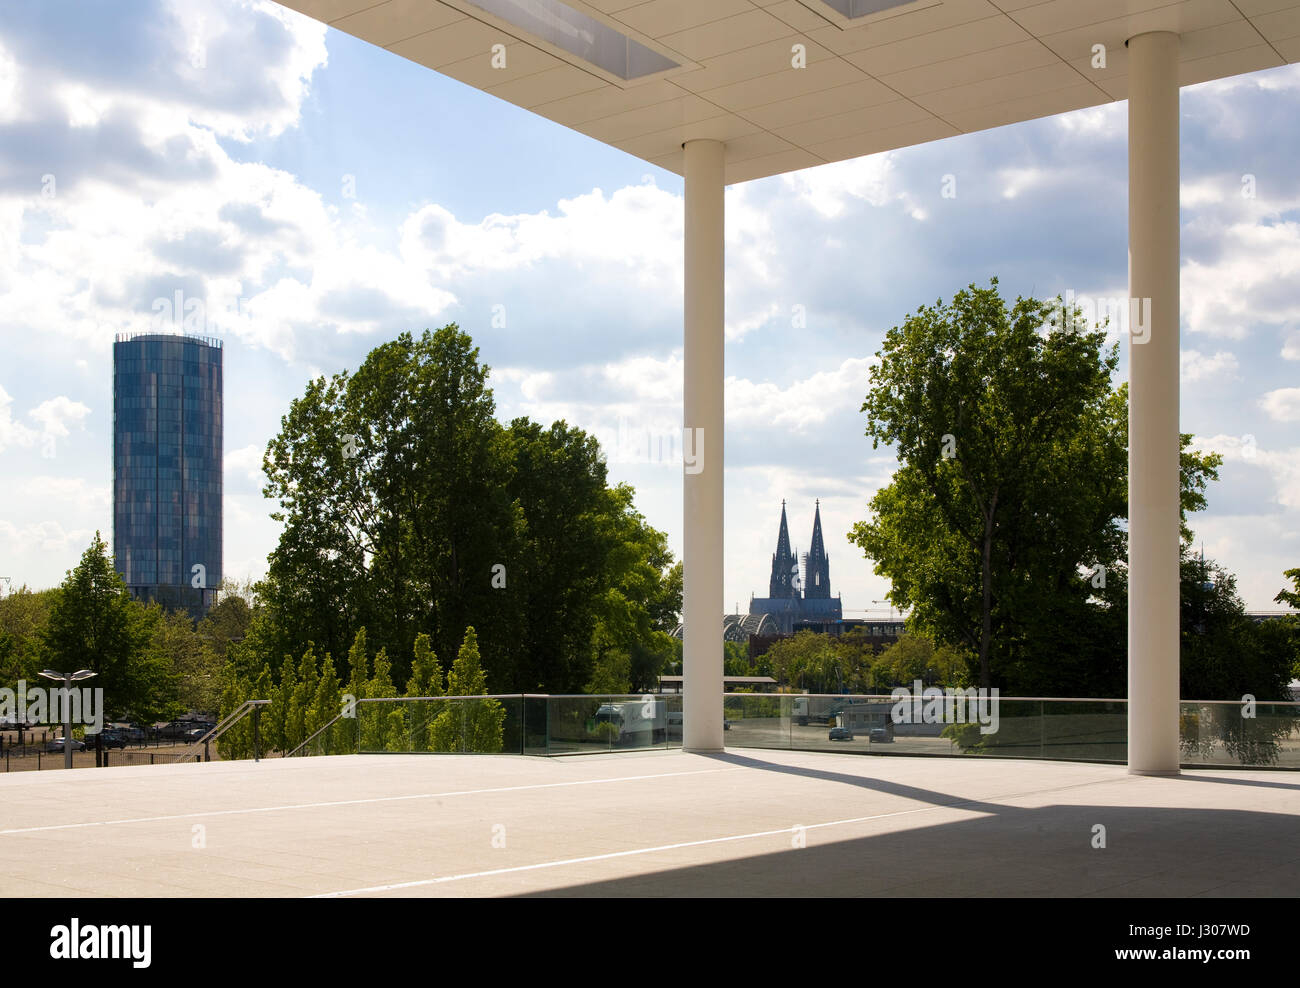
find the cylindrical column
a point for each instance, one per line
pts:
(1153, 480)
(702, 449)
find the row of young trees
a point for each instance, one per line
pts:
(307, 698)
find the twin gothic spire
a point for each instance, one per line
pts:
(785, 580)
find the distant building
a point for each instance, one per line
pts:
(794, 604)
(167, 468)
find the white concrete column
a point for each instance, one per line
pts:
(702, 446)
(1153, 482)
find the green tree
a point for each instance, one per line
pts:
(277, 728)
(642, 586)
(374, 718)
(23, 616)
(612, 673)
(1225, 654)
(914, 657)
(191, 657)
(94, 624)
(469, 725)
(408, 508)
(810, 662)
(1002, 528)
(297, 711)
(425, 681)
(1290, 597)
(235, 742)
(358, 666)
(325, 703)
(647, 661)
(261, 690)
(426, 671)
(393, 490)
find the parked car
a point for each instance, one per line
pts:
(112, 738)
(880, 735)
(196, 734)
(180, 730)
(55, 746)
(841, 734)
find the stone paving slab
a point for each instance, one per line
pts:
(744, 823)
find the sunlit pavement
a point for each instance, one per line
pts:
(648, 823)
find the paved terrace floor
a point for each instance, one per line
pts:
(652, 823)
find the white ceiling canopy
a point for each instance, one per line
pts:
(788, 84)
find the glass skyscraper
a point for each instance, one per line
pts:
(167, 462)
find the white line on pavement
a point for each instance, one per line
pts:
(358, 802)
(624, 854)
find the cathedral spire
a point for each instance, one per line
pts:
(784, 565)
(818, 582)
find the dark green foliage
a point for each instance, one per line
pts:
(1011, 490)
(94, 624)
(410, 510)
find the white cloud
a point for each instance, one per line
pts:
(829, 189)
(246, 461)
(1196, 366)
(1248, 285)
(1291, 347)
(1107, 120)
(12, 433)
(46, 536)
(165, 208)
(1282, 405)
(638, 229)
(805, 403)
(1282, 465)
(73, 490)
(11, 103)
(1018, 180)
(55, 415)
(1200, 193)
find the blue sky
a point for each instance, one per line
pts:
(319, 195)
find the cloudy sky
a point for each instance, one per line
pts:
(319, 196)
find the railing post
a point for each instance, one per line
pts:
(257, 733)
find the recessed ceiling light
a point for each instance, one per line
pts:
(861, 8)
(578, 34)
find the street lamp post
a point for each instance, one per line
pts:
(67, 679)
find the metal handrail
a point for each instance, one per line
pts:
(315, 735)
(476, 696)
(242, 711)
(1003, 699)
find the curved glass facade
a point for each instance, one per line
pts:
(167, 463)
